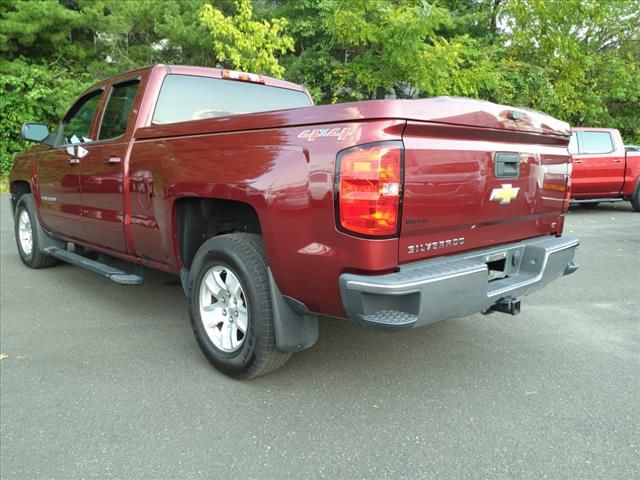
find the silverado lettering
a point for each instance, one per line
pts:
(425, 247)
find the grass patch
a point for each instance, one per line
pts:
(4, 184)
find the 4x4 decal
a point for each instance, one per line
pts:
(339, 133)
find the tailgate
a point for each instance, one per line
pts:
(468, 187)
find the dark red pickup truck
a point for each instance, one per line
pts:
(603, 169)
(273, 212)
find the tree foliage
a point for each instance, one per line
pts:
(244, 43)
(580, 56)
(31, 92)
(578, 60)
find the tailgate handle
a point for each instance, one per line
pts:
(507, 165)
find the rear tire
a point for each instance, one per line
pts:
(28, 235)
(635, 201)
(231, 308)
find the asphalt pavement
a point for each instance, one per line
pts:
(106, 381)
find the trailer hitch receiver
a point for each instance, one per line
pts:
(508, 305)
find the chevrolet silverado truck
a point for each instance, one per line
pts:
(603, 169)
(275, 212)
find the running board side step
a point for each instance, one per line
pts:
(112, 273)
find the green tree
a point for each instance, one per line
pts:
(353, 50)
(574, 59)
(244, 43)
(36, 30)
(28, 93)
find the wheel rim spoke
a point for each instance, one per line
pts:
(212, 284)
(233, 285)
(233, 338)
(242, 321)
(212, 317)
(220, 282)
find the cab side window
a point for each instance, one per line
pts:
(595, 142)
(76, 126)
(116, 114)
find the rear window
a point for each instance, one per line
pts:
(595, 142)
(186, 97)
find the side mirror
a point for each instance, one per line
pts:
(34, 132)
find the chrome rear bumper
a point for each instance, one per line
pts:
(426, 292)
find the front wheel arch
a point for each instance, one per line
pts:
(18, 189)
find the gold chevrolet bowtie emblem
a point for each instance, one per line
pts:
(505, 194)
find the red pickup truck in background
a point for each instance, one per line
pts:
(273, 212)
(603, 169)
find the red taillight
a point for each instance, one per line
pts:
(369, 189)
(567, 192)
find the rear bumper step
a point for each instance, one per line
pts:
(430, 291)
(112, 273)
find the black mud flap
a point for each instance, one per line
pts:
(294, 331)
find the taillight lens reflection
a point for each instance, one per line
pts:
(370, 186)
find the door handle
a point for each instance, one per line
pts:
(616, 160)
(74, 161)
(113, 160)
(577, 161)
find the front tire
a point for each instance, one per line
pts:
(231, 308)
(28, 235)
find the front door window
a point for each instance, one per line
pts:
(76, 126)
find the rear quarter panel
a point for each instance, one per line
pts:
(288, 180)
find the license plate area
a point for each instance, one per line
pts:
(497, 265)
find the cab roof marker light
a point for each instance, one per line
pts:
(242, 76)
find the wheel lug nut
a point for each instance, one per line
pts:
(224, 313)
